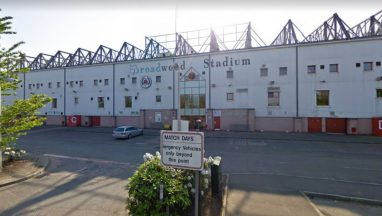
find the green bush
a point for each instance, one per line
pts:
(143, 189)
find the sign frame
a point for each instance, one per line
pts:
(201, 134)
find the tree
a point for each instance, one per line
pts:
(21, 116)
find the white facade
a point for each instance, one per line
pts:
(252, 74)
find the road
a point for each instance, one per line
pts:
(89, 169)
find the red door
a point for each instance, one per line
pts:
(314, 125)
(216, 122)
(96, 121)
(335, 125)
(377, 126)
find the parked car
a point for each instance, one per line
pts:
(127, 132)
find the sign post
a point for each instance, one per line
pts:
(184, 150)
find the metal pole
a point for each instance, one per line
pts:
(178, 104)
(197, 193)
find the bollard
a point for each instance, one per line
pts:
(216, 176)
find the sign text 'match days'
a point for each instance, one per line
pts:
(182, 149)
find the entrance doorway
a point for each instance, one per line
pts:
(217, 122)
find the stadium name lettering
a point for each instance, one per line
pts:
(227, 62)
(134, 69)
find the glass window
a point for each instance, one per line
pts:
(95, 82)
(322, 67)
(122, 81)
(49, 85)
(229, 96)
(30, 86)
(357, 64)
(263, 72)
(158, 98)
(378, 63)
(81, 83)
(311, 68)
(54, 103)
(76, 100)
(333, 68)
(283, 71)
(229, 74)
(134, 80)
(158, 79)
(101, 102)
(71, 83)
(106, 82)
(322, 98)
(58, 84)
(367, 66)
(38, 85)
(379, 93)
(273, 97)
(128, 102)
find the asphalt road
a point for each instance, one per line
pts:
(89, 169)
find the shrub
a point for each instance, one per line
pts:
(143, 189)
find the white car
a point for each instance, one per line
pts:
(127, 132)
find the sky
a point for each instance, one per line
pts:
(47, 26)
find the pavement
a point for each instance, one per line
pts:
(246, 194)
(29, 166)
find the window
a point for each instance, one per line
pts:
(229, 96)
(273, 96)
(322, 67)
(158, 98)
(81, 83)
(378, 63)
(311, 68)
(229, 74)
(134, 80)
(95, 82)
(322, 98)
(106, 82)
(54, 103)
(367, 66)
(379, 93)
(283, 71)
(30, 86)
(333, 68)
(263, 72)
(101, 102)
(75, 100)
(158, 79)
(71, 83)
(49, 85)
(38, 85)
(58, 84)
(122, 81)
(128, 101)
(357, 64)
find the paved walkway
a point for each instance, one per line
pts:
(268, 198)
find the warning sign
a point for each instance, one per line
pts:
(183, 150)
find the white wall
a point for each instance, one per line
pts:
(44, 77)
(352, 91)
(88, 74)
(248, 76)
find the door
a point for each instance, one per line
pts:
(216, 122)
(335, 125)
(96, 121)
(314, 125)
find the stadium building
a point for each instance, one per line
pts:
(328, 81)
